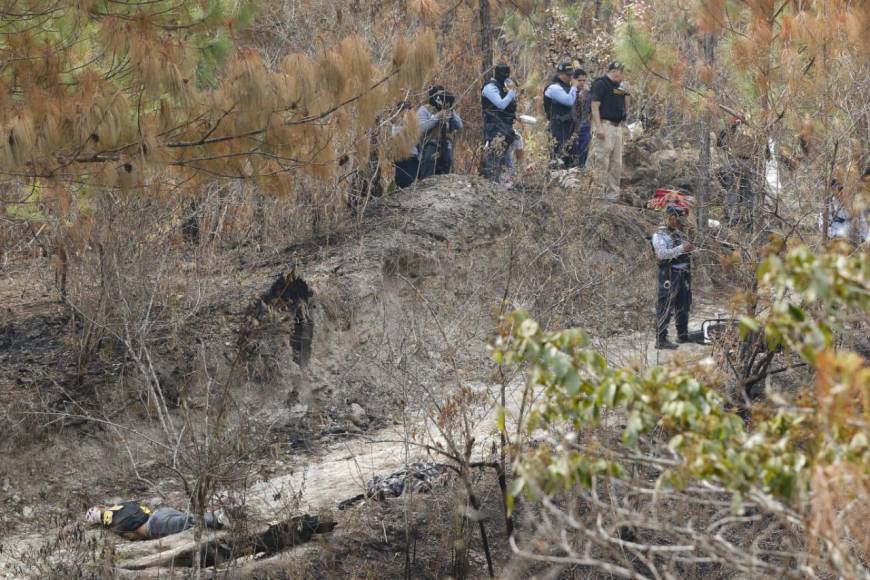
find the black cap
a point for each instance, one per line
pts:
(579, 72)
(675, 210)
(502, 71)
(565, 67)
(616, 65)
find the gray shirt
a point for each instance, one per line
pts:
(429, 121)
(490, 91)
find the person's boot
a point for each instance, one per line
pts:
(665, 344)
(683, 338)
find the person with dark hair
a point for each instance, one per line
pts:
(498, 101)
(135, 521)
(583, 116)
(437, 121)
(610, 96)
(674, 277)
(560, 98)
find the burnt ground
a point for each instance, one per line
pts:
(375, 324)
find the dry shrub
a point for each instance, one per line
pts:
(402, 142)
(840, 510)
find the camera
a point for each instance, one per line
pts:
(622, 89)
(449, 100)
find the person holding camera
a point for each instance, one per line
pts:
(437, 121)
(610, 99)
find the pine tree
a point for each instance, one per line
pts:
(115, 94)
(791, 72)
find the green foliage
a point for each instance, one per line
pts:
(710, 442)
(213, 55)
(635, 48)
(814, 297)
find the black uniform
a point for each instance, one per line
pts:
(563, 126)
(674, 284)
(612, 99)
(406, 171)
(498, 127)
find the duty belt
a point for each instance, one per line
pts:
(672, 264)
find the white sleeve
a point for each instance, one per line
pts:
(490, 91)
(663, 252)
(557, 93)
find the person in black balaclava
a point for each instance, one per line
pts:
(437, 121)
(498, 101)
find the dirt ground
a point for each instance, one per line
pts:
(402, 306)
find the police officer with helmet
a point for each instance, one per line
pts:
(674, 277)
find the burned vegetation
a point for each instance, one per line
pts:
(218, 296)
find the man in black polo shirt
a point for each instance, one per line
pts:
(609, 111)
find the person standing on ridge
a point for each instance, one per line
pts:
(437, 120)
(674, 277)
(610, 100)
(499, 104)
(560, 98)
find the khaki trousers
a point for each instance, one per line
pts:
(606, 160)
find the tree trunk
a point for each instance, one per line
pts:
(485, 39)
(704, 185)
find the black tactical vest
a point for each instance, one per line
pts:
(676, 240)
(557, 112)
(492, 115)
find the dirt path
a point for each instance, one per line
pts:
(340, 472)
(357, 281)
